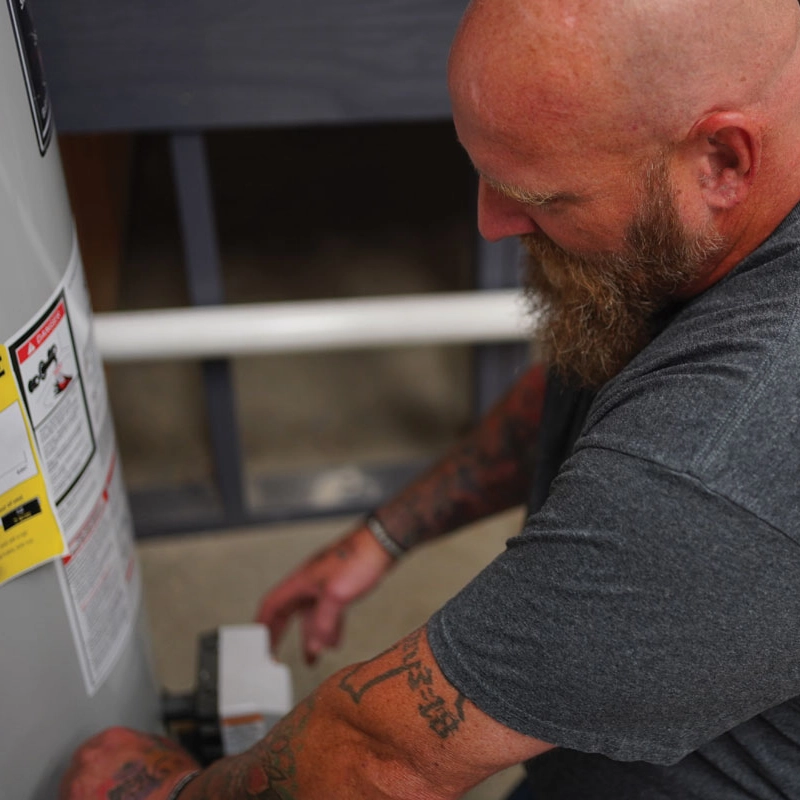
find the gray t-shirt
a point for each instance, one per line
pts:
(647, 618)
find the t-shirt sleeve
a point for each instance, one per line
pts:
(638, 615)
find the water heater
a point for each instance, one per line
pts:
(73, 646)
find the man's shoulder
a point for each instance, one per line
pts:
(717, 393)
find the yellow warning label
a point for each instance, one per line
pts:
(29, 532)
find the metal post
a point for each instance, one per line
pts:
(204, 277)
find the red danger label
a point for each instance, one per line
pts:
(31, 345)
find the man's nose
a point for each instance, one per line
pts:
(500, 216)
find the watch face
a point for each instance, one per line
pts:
(31, 59)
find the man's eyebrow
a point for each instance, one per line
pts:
(527, 197)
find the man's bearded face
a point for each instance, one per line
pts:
(597, 311)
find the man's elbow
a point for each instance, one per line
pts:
(381, 761)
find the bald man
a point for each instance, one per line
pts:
(640, 638)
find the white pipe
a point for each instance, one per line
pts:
(235, 330)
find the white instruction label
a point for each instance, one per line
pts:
(98, 577)
(62, 385)
(50, 380)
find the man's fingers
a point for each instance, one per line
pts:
(284, 594)
(309, 591)
(279, 605)
(109, 738)
(280, 619)
(327, 620)
(312, 646)
(96, 765)
(277, 625)
(321, 628)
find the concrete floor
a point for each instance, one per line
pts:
(337, 213)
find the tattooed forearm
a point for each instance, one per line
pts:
(487, 472)
(444, 717)
(286, 764)
(266, 772)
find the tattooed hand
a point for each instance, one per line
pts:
(322, 588)
(121, 764)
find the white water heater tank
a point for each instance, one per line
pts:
(73, 646)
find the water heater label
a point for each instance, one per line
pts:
(47, 367)
(62, 401)
(29, 532)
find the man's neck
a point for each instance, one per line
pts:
(746, 235)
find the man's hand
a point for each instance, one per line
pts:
(321, 589)
(119, 764)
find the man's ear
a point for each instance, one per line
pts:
(728, 146)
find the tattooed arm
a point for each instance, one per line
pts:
(487, 472)
(389, 729)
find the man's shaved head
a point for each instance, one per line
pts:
(660, 64)
(640, 148)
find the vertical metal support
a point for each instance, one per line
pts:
(497, 366)
(204, 277)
